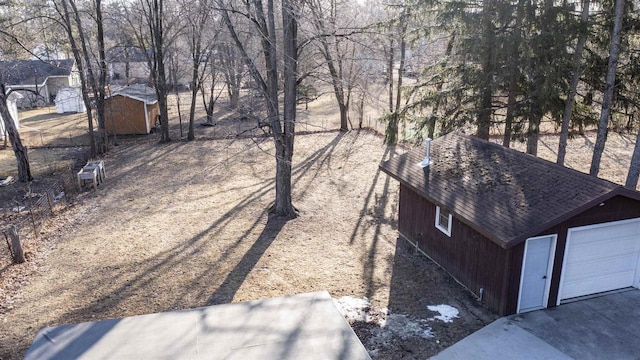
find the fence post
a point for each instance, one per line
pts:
(16, 247)
(48, 192)
(33, 220)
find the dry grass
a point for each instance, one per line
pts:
(616, 157)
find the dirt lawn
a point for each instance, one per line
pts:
(185, 225)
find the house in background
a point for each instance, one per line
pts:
(127, 65)
(37, 81)
(12, 99)
(518, 231)
(131, 110)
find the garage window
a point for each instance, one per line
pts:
(443, 221)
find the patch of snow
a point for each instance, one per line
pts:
(404, 327)
(59, 196)
(353, 309)
(447, 312)
(389, 327)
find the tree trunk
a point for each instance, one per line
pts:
(20, 152)
(390, 64)
(403, 48)
(514, 74)
(575, 78)
(634, 167)
(164, 118)
(533, 133)
(431, 124)
(16, 247)
(102, 81)
(484, 117)
(361, 111)
(192, 113)
(209, 107)
(614, 51)
(344, 113)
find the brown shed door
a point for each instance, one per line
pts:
(600, 258)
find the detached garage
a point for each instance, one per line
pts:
(520, 232)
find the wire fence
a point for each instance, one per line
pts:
(37, 209)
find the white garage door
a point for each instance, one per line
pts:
(600, 258)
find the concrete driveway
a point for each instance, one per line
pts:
(604, 327)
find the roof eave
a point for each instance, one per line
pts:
(14, 86)
(135, 98)
(568, 215)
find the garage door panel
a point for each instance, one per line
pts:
(606, 266)
(600, 258)
(597, 284)
(615, 246)
(605, 231)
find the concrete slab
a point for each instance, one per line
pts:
(502, 339)
(305, 326)
(605, 327)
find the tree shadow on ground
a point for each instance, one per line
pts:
(227, 290)
(379, 203)
(416, 283)
(128, 286)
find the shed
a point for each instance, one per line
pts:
(131, 110)
(69, 100)
(520, 232)
(12, 100)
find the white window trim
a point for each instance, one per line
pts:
(445, 230)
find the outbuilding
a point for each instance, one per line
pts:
(518, 231)
(69, 100)
(131, 110)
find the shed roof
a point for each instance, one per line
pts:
(34, 72)
(506, 195)
(138, 92)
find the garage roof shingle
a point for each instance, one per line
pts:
(505, 195)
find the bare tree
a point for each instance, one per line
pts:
(232, 66)
(213, 78)
(20, 151)
(92, 77)
(201, 49)
(262, 18)
(155, 35)
(337, 50)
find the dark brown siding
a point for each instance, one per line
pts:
(514, 278)
(471, 258)
(614, 209)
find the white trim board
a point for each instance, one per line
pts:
(549, 274)
(586, 228)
